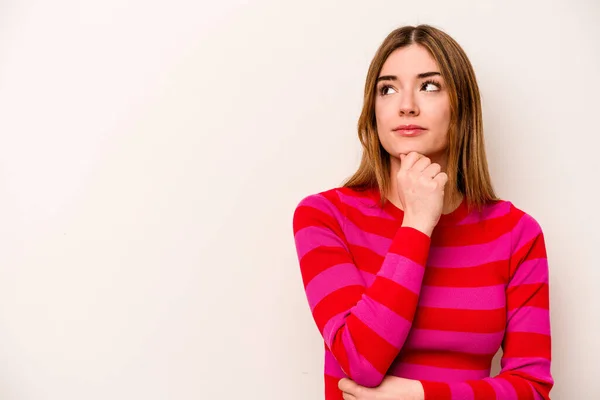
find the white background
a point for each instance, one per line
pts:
(152, 154)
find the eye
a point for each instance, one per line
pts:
(383, 88)
(431, 83)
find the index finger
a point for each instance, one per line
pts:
(410, 159)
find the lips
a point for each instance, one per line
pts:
(408, 127)
(409, 130)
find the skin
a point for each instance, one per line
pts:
(418, 166)
(408, 99)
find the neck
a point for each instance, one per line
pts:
(452, 198)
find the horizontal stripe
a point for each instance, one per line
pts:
(521, 344)
(412, 244)
(332, 392)
(477, 343)
(488, 213)
(525, 231)
(384, 322)
(529, 295)
(470, 256)
(532, 366)
(394, 296)
(482, 389)
(366, 260)
(498, 249)
(335, 303)
(330, 280)
(491, 274)
(448, 319)
(318, 211)
(378, 225)
(321, 203)
(367, 364)
(368, 278)
(531, 271)
(333, 325)
(436, 390)
(403, 271)
(478, 233)
(332, 368)
(529, 319)
(358, 237)
(312, 237)
(461, 391)
(406, 241)
(424, 372)
(480, 298)
(365, 205)
(523, 388)
(341, 352)
(503, 389)
(321, 258)
(447, 359)
(533, 249)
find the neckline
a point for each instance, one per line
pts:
(453, 217)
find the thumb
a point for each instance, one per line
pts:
(402, 156)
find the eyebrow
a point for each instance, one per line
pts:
(395, 78)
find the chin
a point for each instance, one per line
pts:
(405, 150)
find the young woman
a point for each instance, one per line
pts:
(414, 271)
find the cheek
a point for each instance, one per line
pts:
(383, 113)
(439, 114)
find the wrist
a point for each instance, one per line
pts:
(421, 226)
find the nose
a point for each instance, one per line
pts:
(408, 105)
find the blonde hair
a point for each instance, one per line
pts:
(467, 167)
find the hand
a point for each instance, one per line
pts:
(391, 388)
(421, 191)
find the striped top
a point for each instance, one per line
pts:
(390, 300)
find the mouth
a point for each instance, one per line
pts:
(409, 130)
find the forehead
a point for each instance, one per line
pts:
(409, 61)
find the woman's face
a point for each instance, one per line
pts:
(411, 91)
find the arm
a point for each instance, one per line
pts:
(364, 328)
(526, 347)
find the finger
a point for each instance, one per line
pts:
(422, 163)
(409, 160)
(432, 170)
(441, 178)
(348, 396)
(348, 386)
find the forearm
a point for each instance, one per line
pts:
(369, 337)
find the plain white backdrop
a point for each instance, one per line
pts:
(152, 154)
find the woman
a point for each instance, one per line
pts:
(415, 272)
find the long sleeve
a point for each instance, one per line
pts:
(364, 328)
(525, 363)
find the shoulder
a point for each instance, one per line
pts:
(516, 217)
(524, 220)
(334, 197)
(526, 230)
(329, 195)
(327, 206)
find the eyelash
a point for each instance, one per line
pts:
(429, 81)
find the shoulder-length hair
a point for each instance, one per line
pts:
(467, 167)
